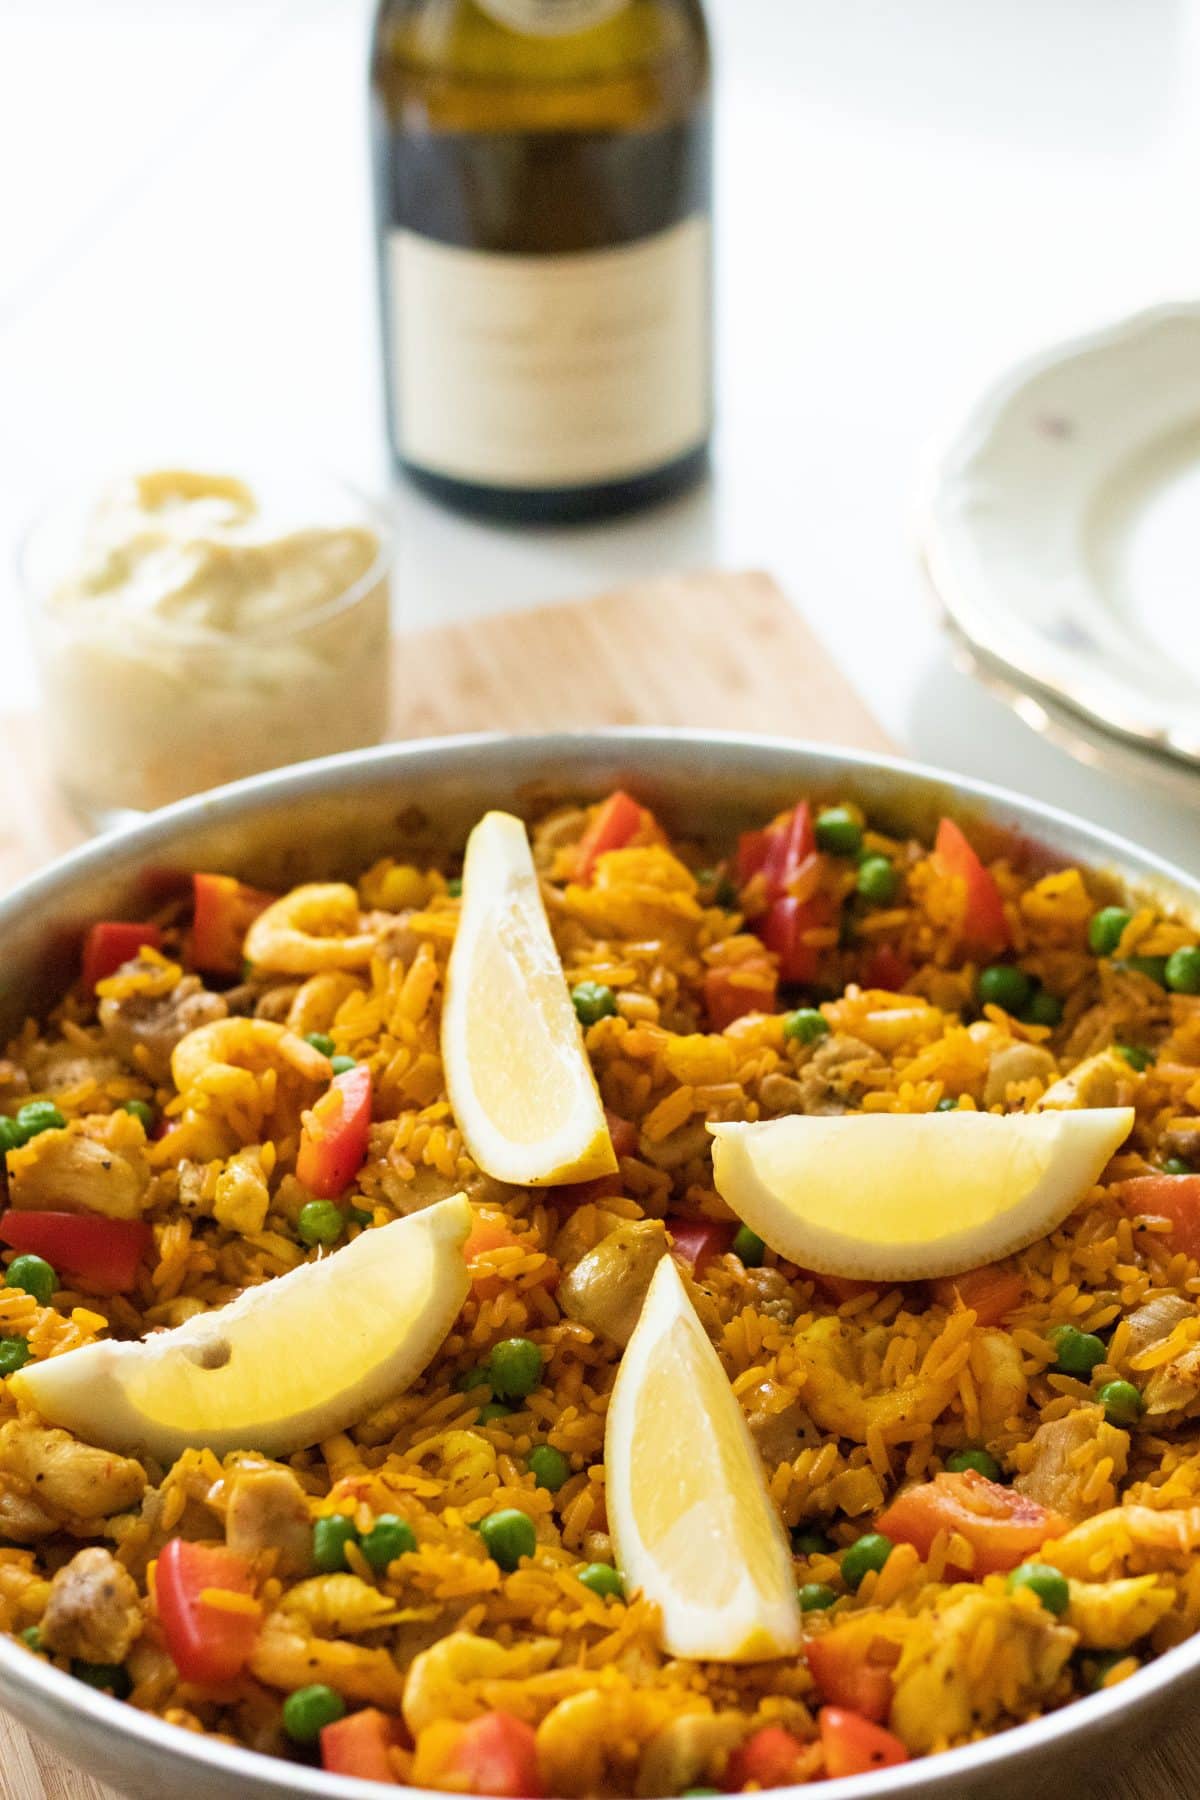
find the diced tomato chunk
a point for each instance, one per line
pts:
(730, 993)
(496, 1754)
(846, 1678)
(585, 1193)
(991, 1292)
(1172, 1197)
(696, 1241)
(104, 1253)
(886, 968)
(333, 1142)
(855, 1746)
(223, 911)
(768, 1758)
(984, 926)
(623, 1132)
(613, 825)
(208, 1643)
(783, 927)
(360, 1744)
(1002, 1526)
(113, 942)
(789, 844)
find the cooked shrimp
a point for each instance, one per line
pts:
(315, 927)
(244, 1044)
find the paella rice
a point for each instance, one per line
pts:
(990, 1481)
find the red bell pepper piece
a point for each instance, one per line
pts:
(104, 1253)
(1002, 1526)
(783, 930)
(113, 942)
(741, 988)
(984, 926)
(846, 1678)
(223, 911)
(617, 820)
(751, 854)
(333, 1142)
(360, 1744)
(886, 968)
(696, 1241)
(854, 1746)
(496, 1754)
(1173, 1197)
(768, 1758)
(777, 852)
(991, 1293)
(208, 1643)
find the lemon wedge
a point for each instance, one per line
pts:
(519, 1080)
(687, 1502)
(904, 1196)
(285, 1364)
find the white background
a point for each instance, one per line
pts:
(912, 193)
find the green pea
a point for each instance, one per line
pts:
(470, 1379)
(1101, 1666)
(321, 1041)
(31, 1637)
(1106, 928)
(593, 1002)
(1049, 1586)
(1154, 968)
(1002, 984)
(320, 1222)
(815, 1596)
(14, 1354)
(454, 887)
(866, 1553)
(514, 1368)
(604, 1580)
(329, 1539)
(1175, 1165)
(357, 1215)
(699, 1793)
(38, 1116)
(1043, 1009)
(805, 1025)
(838, 831)
(342, 1065)
(509, 1535)
(978, 1460)
(388, 1538)
(1076, 1352)
(33, 1275)
(1122, 1402)
(110, 1678)
(947, 1103)
(549, 1467)
(1136, 1056)
(11, 1135)
(1183, 970)
(494, 1410)
(142, 1111)
(748, 1246)
(307, 1712)
(877, 880)
(807, 1540)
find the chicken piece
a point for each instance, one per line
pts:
(268, 1513)
(242, 1198)
(144, 1028)
(606, 1289)
(779, 1095)
(93, 1611)
(79, 1169)
(1141, 1536)
(1105, 1079)
(777, 1423)
(1178, 1140)
(1172, 1392)
(831, 1081)
(22, 1520)
(1016, 1062)
(73, 1480)
(999, 1378)
(1065, 1454)
(687, 1751)
(1155, 1321)
(943, 1690)
(770, 1292)
(1111, 1615)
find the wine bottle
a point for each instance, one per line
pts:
(543, 190)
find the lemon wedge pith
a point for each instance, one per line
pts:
(517, 1073)
(905, 1196)
(282, 1366)
(687, 1502)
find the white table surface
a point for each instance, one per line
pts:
(910, 197)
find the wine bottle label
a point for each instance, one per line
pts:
(551, 18)
(551, 371)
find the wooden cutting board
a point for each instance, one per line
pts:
(717, 650)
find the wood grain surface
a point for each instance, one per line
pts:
(724, 651)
